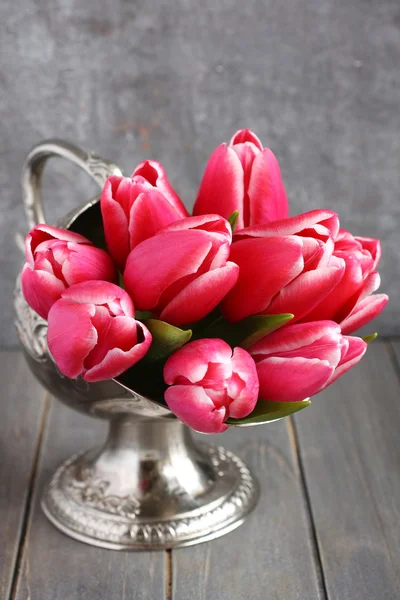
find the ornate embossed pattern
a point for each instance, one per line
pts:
(90, 515)
(92, 492)
(99, 168)
(31, 328)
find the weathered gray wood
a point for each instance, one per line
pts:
(21, 408)
(271, 555)
(350, 448)
(396, 346)
(317, 79)
(56, 567)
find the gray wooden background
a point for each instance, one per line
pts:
(318, 80)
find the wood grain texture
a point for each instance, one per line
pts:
(350, 449)
(271, 555)
(317, 79)
(55, 567)
(395, 344)
(21, 406)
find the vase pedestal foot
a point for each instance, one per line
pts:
(150, 487)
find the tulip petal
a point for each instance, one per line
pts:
(191, 361)
(266, 266)
(40, 289)
(124, 352)
(244, 368)
(87, 262)
(222, 187)
(267, 196)
(292, 379)
(201, 296)
(150, 212)
(305, 292)
(313, 253)
(102, 321)
(115, 222)
(101, 292)
(320, 224)
(156, 175)
(214, 225)
(356, 350)
(295, 337)
(194, 408)
(70, 326)
(245, 135)
(373, 246)
(246, 152)
(219, 233)
(364, 311)
(43, 233)
(369, 286)
(162, 260)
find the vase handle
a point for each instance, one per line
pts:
(97, 168)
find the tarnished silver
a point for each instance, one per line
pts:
(97, 168)
(151, 485)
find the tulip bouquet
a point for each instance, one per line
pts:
(235, 314)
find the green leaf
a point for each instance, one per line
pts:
(121, 282)
(142, 315)
(266, 411)
(233, 219)
(166, 339)
(370, 338)
(256, 327)
(245, 332)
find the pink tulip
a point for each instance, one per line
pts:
(285, 266)
(92, 332)
(182, 273)
(209, 384)
(136, 208)
(243, 176)
(56, 259)
(351, 303)
(300, 360)
(153, 172)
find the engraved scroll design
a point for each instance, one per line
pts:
(31, 328)
(92, 492)
(130, 532)
(100, 169)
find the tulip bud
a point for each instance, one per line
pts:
(182, 273)
(285, 266)
(352, 303)
(92, 332)
(210, 383)
(300, 360)
(56, 259)
(136, 208)
(243, 177)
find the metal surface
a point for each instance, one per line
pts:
(97, 168)
(150, 486)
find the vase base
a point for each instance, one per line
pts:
(82, 506)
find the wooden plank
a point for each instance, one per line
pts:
(58, 568)
(270, 556)
(21, 406)
(350, 451)
(395, 344)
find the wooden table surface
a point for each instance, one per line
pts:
(327, 525)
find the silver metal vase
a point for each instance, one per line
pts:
(150, 485)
